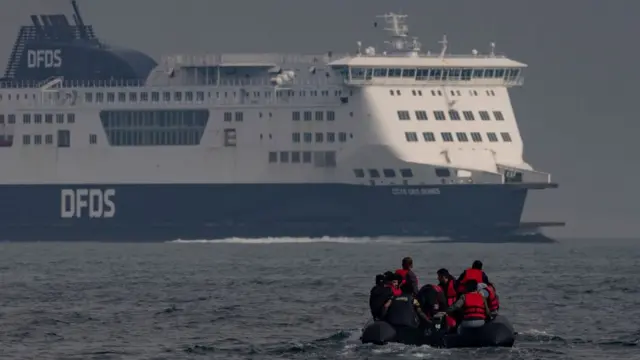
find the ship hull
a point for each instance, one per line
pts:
(155, 212)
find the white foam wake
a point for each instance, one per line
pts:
(288, 240)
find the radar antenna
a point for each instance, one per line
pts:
(398, 30)
(493, 49)
(444, 43)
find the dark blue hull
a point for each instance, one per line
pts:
(167, 212)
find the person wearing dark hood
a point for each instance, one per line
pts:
(474, 307)
(447, 285)
(475, 272)
(408, 275)
(380, 293)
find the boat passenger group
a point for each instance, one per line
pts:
(466, 302)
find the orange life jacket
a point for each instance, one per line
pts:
(492, 300)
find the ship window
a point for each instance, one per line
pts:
(122, 97)
(306, 157)
(155, 96)
(48, 118)
(476, 137)
(133, 96)
(342, 137)
(295, 157)
(433, 93)
(37, 139)
(154, 127)
(468, 115)
(488, 73)
(390, 173)
(26, 118)
(71, 118)
(93, 139)
(462, 137)
(404, 115)
(411, 136)
(331, 116)
(284, 156)
(413, 92)
(406, 173)
(307, 137)
(421, 115)
(144, 97)
(239, 116)
(409, 73)
(324, 159)
(37, 119)
(454, 115)
(295, 137)
(442, 172)
(319, 115)
(319, 137)
(398, 92)
(48, 139)
(1, 119)
(374, 173)
(228, 116)
(88, 97)
(380, 72)
(505, 137)
(26, 139)
(477, 73)
(99, 97)
(59, 118)
(177, 96)
(273, 157)
(498, 115)
(428, 136)
(331, 137)
(200, 96)
(492, 137)
(230, 137)
(439, 115)
(484, 115)
(307, 116)
(111, 97)
(446, 137)
(64, 138)
(295, 116)
(11, 119)
(188, 96)
(359, 173)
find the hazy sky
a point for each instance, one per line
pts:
(576, 111)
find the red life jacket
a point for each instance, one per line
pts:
(405, 278)
(451, 293)
(394, 290)
(470, 274)
(492, 300)
(474, 307)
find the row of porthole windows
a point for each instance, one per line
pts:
(329, 137)
(188, 96)
(454, 115)
(440, 93)
(388, 173)
(460, 136)
(38, 118)
(63, 139)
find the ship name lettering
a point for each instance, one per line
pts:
(44, 58)
(415, 192)
(91, 203)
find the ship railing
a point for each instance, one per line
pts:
(247, 58)
(519, 81)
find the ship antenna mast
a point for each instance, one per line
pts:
(398, 30)
(444, 43)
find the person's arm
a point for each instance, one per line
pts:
(456, 305)
(385, 308)
(421, 313)
(486, 308)
(414, 281)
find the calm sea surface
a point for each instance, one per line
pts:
(295, 299)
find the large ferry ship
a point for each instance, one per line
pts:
(99, 142)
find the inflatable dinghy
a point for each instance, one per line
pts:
(495, 333)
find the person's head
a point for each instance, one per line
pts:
(397, 279)
(477, 265)
(407, 263)
(389, 277)
(379, 279)
(443, 276)
(406, 288)
(471, 286)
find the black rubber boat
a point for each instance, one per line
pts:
(495, 333)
